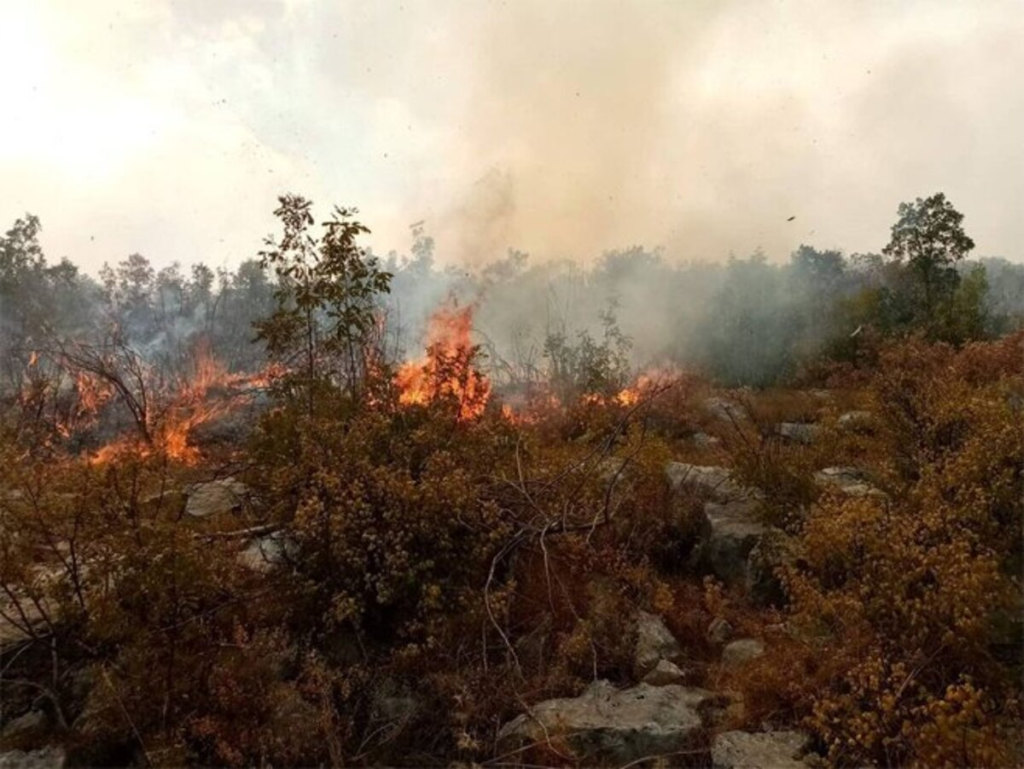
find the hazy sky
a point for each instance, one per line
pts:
(169, 127)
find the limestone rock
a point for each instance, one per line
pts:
(605, 724)
(741, 651)
(774, 550)
(263, 553)
(26, 729)
(734, 529)
(724, 409)
(717, 482)
(855, 420)
(719, 631)
(665, 673)
(654, 642)
(704, 441)
(765, 750)
(225, 495)
(799, 432)
(44, 758)
(851, 481)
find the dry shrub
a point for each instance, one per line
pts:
(905, 591)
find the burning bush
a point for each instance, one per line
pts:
(448, 373)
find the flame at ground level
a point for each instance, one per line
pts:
(447, 370)
(190, 405)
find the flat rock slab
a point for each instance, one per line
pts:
(851, 481)
(605, 724)
(263, 553)
(226, 495)
(665, 673)
(724, 409)
(654, 642)
(718, 482)
(765, 750)
(742, 651)
(799, 432)
(45, 758)
(734, 529)
(855, 420)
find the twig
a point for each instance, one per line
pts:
(124, 710)
(514, 542)
(253, 531)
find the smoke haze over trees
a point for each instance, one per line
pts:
(660, 404)
(745, 321)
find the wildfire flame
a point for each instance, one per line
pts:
(646, 385)
(447, 371)
(190, 405)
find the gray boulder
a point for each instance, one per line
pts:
(44, 758)
(851, 481)
(766, 750)
(219, 497)
(799, 432)
(26, 729)
(733, 530)
(717, 482)
(855, 420)
(704, 441)
(719, 631)
(263, 553)
(724, 409)
(774, 550)
(654, 643)
(742, 651)
(665, 673)
(607, 725)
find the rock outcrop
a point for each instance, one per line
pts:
(741, 651)
(775, 549)
(219, 497)
(719, 631)
(654, 643)
(724, 409)
(704, 441)
(25, 730)
(851, 481)
(855, 420)
(717, 482)
(665, 673)
(799, 432)
(263, 553)
(732, 524)
(764, 750)
(44, 758)
(734, 529)
(609, 725)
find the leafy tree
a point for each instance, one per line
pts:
(128, 290)
(929, 240)
(170, 291)
(589, 367)
(200, 291)
(36, 299)
(326, 297)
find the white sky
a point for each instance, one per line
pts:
(169, 127)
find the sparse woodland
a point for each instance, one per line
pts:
(342, 509)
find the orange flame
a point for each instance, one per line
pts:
(190, 406)
(447, 371)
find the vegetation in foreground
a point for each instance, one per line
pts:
(409, 563)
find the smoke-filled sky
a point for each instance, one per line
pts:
(169, 127)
